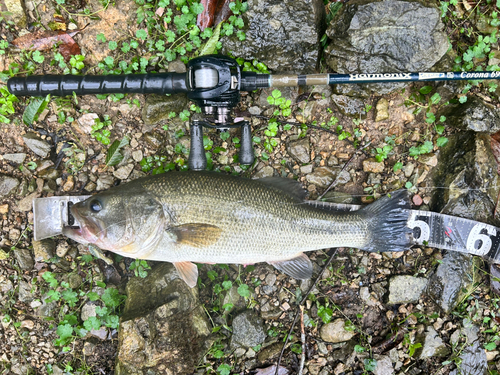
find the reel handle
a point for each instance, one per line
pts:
(246, 149)
(197, 160)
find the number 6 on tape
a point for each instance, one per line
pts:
(483, 240)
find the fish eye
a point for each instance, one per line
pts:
(95, 205)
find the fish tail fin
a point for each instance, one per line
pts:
(388, 223)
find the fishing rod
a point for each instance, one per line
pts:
(214, 83)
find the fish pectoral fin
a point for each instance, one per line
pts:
(299, 267)
(188, 272)
(196, 234)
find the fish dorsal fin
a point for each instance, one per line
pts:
(188, 272)
(299, 267)
(196, 234)
(289, 186)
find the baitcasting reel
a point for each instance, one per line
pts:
(213, 82)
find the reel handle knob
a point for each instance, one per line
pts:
(246, 149)
(197, 159)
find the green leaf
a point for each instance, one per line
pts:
(397, 166)
(112, 45)
(227, 285)
(224, 369)
(33, 110)
(370, 364)
(101, 38)
(425, 90)
(70, 297)
(64, 331)
(490, 346)
(244, 291)
(49, 278)
(38, 57)
(91, 323)
(112, 297)
(93, 296)
(141, 34)
(441, 141)
(113, 157)
(210, 46)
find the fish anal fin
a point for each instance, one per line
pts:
(196, 234)
(188, 272)
(299, 267)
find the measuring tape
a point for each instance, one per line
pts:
(51, 215)
(443, 231)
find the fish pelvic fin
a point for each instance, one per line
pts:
(188, 272)
(388, 223)
(299, 267)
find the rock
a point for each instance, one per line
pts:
(177, 66)
(15, 12)
(24, 259)
(104, 182)
(269, 352)
(157, 107)
(248, 330)
(122, 173)
(382, 110)
(15, 158)
(4, 209)
(7, 185)
(283, 35)
(335, 332)
(300, 150)
(62, 249)
(44, 249)
(452, 280)
(25, 293)
(372, 165)
(154, 140)
(26, 204)
(232, 296)
(74, 280)
(5, 284)
(49, 173)
(28, 324)
(475, 115)
(349, 106)
(4, 254)
(21, 369)
(36, 144)
(137, 155)
(85, 122)
(321, 177)
(163, 326)
(494, 278)
(46, 309)
(473, 356)
(384, 365)
(433, 345)
(406, 289)
(266, 171)
(386, 36)
(69, 184)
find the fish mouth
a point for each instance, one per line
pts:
(88, 231)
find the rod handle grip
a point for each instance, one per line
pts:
(62, 85)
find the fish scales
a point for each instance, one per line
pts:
(207, 217)
(258, 222)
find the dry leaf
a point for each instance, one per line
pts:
(43, 40)
(272, 370)
(214, 12)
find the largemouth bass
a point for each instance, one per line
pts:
(207, 217)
